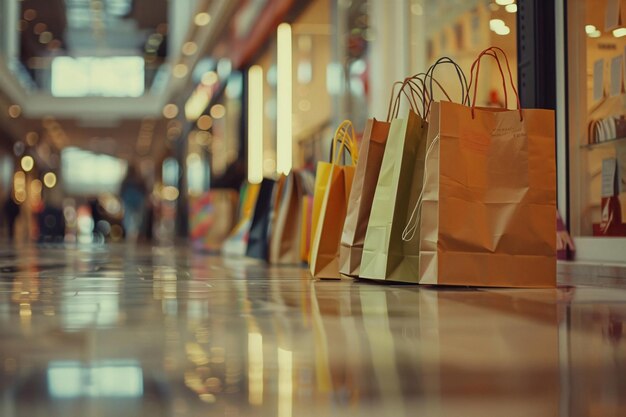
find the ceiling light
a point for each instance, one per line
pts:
(503, 30)
(618, 33)
(190, 48)
(180, 70)
(27, 163)
(511, 8)
(504, 2)
(218, 111)
(595, 34)
(170, 111)
(589, 29)
(50, 179)
(496, 23)
(202, 19)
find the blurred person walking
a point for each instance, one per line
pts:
(133, 196)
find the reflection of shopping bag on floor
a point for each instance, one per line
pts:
(332, 212)
(212, 218)
(490, 197)
(258, 239)
(237, 242)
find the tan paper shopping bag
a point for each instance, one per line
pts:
(489, 196)
(362, 194)
(383, 249)
(327, 234)
(285, 232)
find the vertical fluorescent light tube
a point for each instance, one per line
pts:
(284, 141)
(255, 124)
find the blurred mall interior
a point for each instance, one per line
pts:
(159, 206)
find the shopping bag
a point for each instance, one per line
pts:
(258, 238)
(487, 216)
(361, 195)
(327, 232)
(212, 217)
(383, 248)
(307, 182)
(285, 239)
(237, 242)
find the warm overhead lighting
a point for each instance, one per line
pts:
(595, 34)
(170, 111)
(619, 32)
(204, 122)
(503, 31)
(180, 70)
(255, 124)
(190, 48)
(511, 8)
(218, 111)
(15, 111)
(284, 142)
(170, 193)
(50, 179)
(209, 78)
(496, 23)
(504, 2)
(27, 163)
(202, 19)
(589, 29)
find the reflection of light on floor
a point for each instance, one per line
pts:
(68, 379)
(285, 382)
(255, 368)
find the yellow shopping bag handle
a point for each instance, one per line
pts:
(346, 139)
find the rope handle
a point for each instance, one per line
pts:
(462, 80)
(493, 52)
(411, 227)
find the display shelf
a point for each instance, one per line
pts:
(604, 143)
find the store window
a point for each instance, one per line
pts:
(597, 118)
(461, 30)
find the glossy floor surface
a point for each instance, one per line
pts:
(122, 331)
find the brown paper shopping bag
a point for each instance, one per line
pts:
(489, 197)
(362, 194)
(383, 248)
(285, 228)
(327, 233)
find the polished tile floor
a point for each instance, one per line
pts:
(123, 331)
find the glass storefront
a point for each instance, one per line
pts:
(596, 47)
